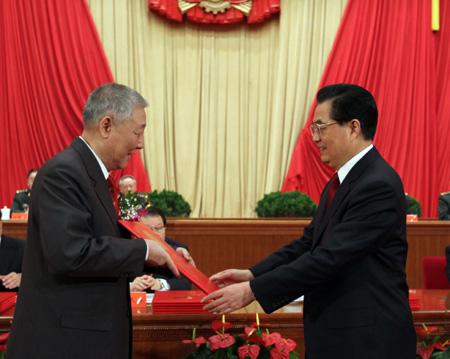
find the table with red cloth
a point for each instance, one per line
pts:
(160, 336)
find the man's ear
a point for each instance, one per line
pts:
(105, 126)
(355, 125)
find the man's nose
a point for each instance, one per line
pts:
(316, 137)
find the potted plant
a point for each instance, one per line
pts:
(286, 204)
(171, 203)
(412, 205)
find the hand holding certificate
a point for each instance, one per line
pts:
(140, 230)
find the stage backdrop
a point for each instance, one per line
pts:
(51, 59)
(389, 48)
(226, 104)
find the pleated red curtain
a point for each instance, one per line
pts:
(389, 48)
(51, 58)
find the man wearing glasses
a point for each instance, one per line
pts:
(161, 278)
(350, 262)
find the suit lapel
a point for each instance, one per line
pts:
(98, 180)
(327, 213)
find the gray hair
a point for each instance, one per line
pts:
(124, 177)
(115, 100)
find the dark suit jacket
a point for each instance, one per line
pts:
(21, 200)
(74, 296)
(349, 264)
(175, 283)
(444, 206)
(11, 254)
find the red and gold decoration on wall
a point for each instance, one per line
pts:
(223, 12)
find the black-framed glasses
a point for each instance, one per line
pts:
(316, 128)
(157, 228)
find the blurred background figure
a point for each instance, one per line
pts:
(444, 206)
(127, 184)
(21, 201)
(160, 278)
(11, 255)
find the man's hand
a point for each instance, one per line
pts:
(186, 255)
(158, 256)
(229, 299)
(141, 283)
(231, 276)
(11, 280)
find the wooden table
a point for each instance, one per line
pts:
(217, 244)
(159, 336)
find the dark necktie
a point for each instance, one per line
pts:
(332, 189)
(112, 190)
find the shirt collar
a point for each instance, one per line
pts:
(100, 162)
(345, 169)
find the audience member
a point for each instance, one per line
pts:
(160, 278)
(444, 206)
(11, 255)
(21, 201)
(74, 295)
(127, 184)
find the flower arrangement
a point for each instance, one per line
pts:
(133, 205)
(432, 345)
(253, 343)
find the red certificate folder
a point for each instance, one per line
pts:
(7, 301)
(178, 302)
(140, 230)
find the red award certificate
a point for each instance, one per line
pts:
(140, 230)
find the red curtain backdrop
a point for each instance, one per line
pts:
(51, 58)
(443, 98)
(389, 48)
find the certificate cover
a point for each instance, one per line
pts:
(140, 230)
(7, 301)
(178, 302)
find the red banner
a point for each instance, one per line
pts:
(223, 12)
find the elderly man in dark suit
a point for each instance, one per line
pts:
(74, 296)
(350, 262)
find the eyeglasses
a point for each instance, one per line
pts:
(158, 228)
(316, 128)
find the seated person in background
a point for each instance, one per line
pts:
(11, 254)
(160, 278)
(444, 206)
(447, 254)
(21, 199)
(127, 184)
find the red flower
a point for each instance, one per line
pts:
(286, 345)
(251, 351)
(272, 338)
(221, 341)
(219, 326)
(197, 341)
(424, 330)
(276, 354)
(3, 338)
